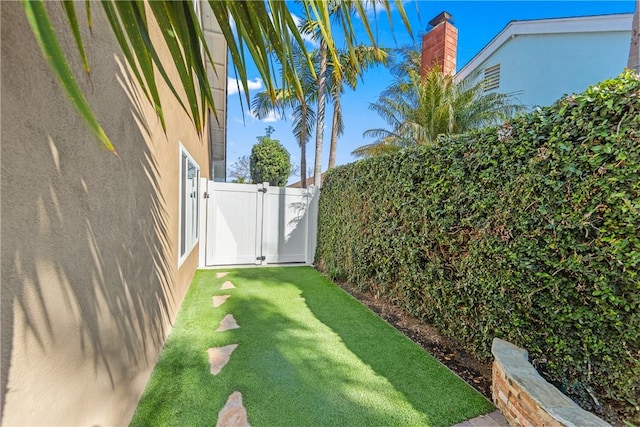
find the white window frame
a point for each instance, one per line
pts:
(188, 204)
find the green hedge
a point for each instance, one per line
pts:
(529, 232)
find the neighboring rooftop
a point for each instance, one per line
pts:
(309, 182)
(579, 24)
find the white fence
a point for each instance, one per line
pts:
(257, 224)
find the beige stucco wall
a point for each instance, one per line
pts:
(90, 277)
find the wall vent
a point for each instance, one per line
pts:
(492, 77)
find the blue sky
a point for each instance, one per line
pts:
(477, 22)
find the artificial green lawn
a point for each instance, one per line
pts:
(308, 354)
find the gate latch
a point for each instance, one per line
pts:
(262, 190)
(261, 258)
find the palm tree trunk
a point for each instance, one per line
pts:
(303, 150)
(303, 165)
(334, 132)
(322, 82)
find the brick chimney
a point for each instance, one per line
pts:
(440, 44)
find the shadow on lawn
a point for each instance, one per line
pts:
(286, 372)
(291, 377)
(318, 383)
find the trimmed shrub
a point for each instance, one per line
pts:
(269, 162)
(529, 232)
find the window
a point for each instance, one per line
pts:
(189, 181)
(492, 77)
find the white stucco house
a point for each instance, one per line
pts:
(545, 59)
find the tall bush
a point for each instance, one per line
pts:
(528, 232)
(269, 162)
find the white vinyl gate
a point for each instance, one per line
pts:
(257, 224)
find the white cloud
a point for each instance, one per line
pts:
(379, 7)
(270, 118)
(306, 37)
(373, 6)
(233, 85)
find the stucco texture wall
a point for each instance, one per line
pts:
(544, 67)
(90, 277)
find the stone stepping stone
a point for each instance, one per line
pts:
(218, 300)
(227, 285)
(221, 274)
(494, 419)
(229, 322)
(234, 413)
(219, 356)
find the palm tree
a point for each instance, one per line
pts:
(303, 115)
(418, 108)
(312, 27)
(266, 29)
(321, 82)
(365, 56)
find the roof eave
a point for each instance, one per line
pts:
(582, 24)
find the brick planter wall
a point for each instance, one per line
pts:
(525, 398)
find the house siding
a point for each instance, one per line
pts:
(90, 277)
(544, 67)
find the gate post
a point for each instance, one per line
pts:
(312, 224)
(202, 222)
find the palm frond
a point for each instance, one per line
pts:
(304, 119)
(264, 29)
(384, 146)
(420, 108)
(45, 36)
(70, 11)
(378, 133)
(264, 104)
(394, 113)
